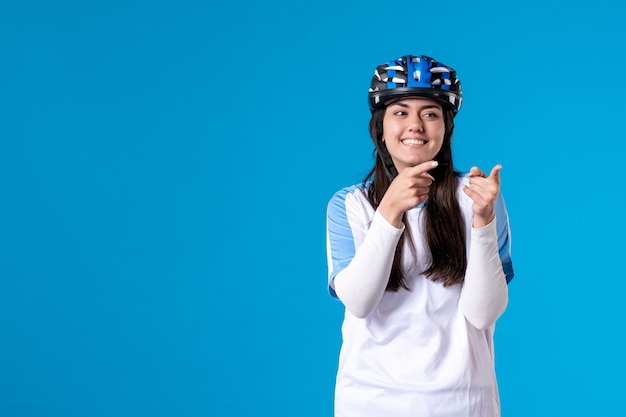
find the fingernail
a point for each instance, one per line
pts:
(434, 163)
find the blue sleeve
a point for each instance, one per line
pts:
(340, 240)
(504, 238)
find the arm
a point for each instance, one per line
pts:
(361, 285)
(359, 276)
(484, 296)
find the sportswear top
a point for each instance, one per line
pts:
(417, 353)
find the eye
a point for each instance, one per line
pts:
(430, 115)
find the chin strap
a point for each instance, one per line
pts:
(390, 168)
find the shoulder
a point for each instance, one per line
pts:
(462, 178)
(351, 203)
(356, 192)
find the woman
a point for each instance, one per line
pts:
(420, 257)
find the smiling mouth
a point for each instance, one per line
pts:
(414, 142)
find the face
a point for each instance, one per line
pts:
(413, 129)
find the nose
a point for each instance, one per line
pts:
(415, 123)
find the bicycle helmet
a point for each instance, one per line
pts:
(415, 76)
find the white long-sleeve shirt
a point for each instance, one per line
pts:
(422, 352)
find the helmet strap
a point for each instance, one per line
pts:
(390, 168)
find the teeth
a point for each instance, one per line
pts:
(413, 142)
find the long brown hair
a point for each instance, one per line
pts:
(444, 223)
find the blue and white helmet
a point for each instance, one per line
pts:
(415, 76)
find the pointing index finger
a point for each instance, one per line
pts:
(495, 172)
(422, 168)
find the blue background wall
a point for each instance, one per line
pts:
(164, 173)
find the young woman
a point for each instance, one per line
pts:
(420, 257)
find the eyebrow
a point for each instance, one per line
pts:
(424, 107)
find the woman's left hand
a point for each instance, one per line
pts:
(484, 191)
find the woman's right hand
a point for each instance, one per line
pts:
(408, 190)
